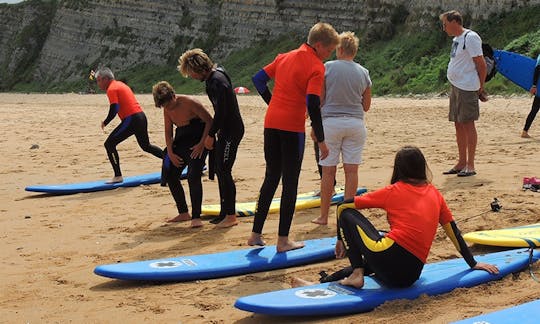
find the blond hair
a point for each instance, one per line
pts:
(163, 92)
(323, 33)
(194, 60)
(348, 43)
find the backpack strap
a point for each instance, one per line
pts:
(465, 37)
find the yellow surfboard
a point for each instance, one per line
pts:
(303, 201)
(522, 236)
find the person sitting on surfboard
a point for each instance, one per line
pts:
(414, 209)
(227, 129)
(185, 148)
(536, 102)
(124, 104)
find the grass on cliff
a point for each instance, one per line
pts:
(411, 62)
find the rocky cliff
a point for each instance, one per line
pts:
(49, 41)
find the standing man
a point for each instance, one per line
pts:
(123, 103)
(466, 73)
(298, 82)
(227, 129)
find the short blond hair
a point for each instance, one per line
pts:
(348, 43)
(194, 60)
(323, 33)
(163, 92)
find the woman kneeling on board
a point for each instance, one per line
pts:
(414, 209)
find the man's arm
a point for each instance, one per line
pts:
(481, 69)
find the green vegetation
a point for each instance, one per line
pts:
(400, 61)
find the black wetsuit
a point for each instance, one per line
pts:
(135, 124)
(536, 102)
(185, 138)
(228, 129)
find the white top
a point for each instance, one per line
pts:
(461, 70)
(345, 83)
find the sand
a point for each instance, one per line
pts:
(51, 244)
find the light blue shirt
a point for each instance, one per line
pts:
(345, 83)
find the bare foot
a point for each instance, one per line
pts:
(180, 218)
(298, 282)
(356, 279)
(285, 244)
(117, 179)
(524, 134)
(320, 220)
(196, 222)
(256, 239)
(228, 221)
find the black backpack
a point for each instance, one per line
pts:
(491, 65)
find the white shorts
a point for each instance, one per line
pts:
(344, 136)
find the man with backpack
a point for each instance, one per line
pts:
(467, 73)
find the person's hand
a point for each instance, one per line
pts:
(347, 203)
(486, 267)
(197, 151)
(312, 135)
(175, 159)
(340, 250)
(533, 90)
(323, 150)
(209, 142)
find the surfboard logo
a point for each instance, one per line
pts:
(165, 264)
(317, 293)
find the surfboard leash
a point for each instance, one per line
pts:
(531, 261)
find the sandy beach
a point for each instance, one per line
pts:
(51, 244)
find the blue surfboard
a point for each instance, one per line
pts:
(218, 265)
(333, 298)
(99, 185)
(524, 314)
(516, 67)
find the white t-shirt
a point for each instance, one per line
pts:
(461, 70)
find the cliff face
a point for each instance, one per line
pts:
(74, 36)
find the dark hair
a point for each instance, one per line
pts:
(410, 166)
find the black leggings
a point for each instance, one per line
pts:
(137, 125)
(224, 155)
(532, 114)
(185, 138)
(283, 152)
(367, 248)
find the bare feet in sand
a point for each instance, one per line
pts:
(196, 222)
(117, 179)
(180, 218)
(256, 239)
(228, 221)
(356, 279)
(320, 220)
(298, 282)
(284, 244)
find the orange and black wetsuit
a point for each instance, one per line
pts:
(123, 103)
(398, 257)
(298, 81)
